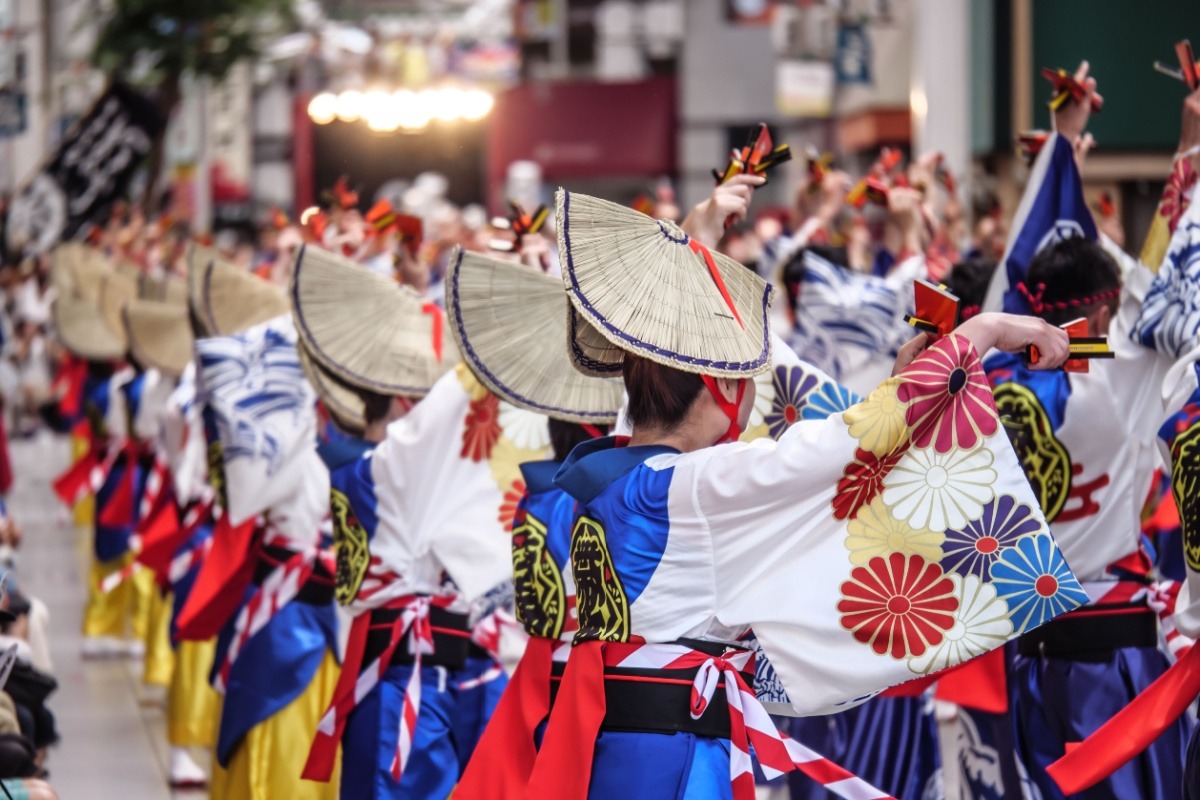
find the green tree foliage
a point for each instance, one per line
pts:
(163, 40)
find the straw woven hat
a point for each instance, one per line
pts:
(232, 299)
(64, 261)
(366, 329)
(510, 323)
(342, 402)
(160, 335)
(198, 259)
(95, 330)
(649, 289)
(78, 269)
(167, 289)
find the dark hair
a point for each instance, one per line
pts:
(659, 396)
(969, 281)
(375, 406)
(565, 435)
(1069, 278)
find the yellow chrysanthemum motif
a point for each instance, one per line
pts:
(878, 422)
(876, 532)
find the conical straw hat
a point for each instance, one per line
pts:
(198, 259)
(167, 289)
(233, 300)
(91, 330)
(366, 329)
(644, 285)
(64, 261)
(160, 335)
(346, 406)
(117, 290)
(510, 323)
(591, 353)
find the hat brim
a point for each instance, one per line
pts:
(160, 335)
(343, 404)
(82, 330)
(198, 259)
(367, 330)
(511, 322)
(647, 288)
(233, 300)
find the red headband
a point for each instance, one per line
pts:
(1038, 306)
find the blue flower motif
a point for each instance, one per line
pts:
(976, 547)
(831, 398)
(1035, 581)
(792, 386)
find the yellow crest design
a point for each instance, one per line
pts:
(1046, 462)
(541, 595)
(1185, 481)
(350, 545)
(599, 596)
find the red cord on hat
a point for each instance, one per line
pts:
(730, 409)
(703, 251)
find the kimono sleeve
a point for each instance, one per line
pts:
(888, 541)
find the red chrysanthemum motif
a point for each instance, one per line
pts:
(482, 429)
(508, 506)
(949, 400)
(1177, 194)
(900, 605)
(862, 480)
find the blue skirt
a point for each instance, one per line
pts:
(1057, 701)
(373, 728)
(660, 766)
(474, 707)
(890, 742)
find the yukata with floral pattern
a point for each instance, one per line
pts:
(901, 726)
(1087, 442)
(422, 529)
(676, 555)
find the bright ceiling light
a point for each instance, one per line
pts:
(476, 104)
(322, 109)
(416, 109)
(350, 105)
(447, 104)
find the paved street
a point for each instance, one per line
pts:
(113, 730)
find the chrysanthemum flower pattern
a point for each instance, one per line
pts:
(482, 428)
(980, 624)
(523, 428)
(1033, 578)
(973, 549)
(879, 422)
(792, 385)
(949, 402)
(898, 605)
(944, 569)
(861, 481)
(876, 532)
(929, 489)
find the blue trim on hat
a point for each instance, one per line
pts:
(637, 344)
(339, 371)
(581, 358)
(452, 302)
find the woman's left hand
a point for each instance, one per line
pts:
(909, 352)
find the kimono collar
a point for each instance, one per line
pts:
(593, 466)
(539, 475)
(337, 453)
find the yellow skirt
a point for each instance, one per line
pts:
(110, 613)
(160, 658)
(268, 762)
(85, 509)
(192, 704)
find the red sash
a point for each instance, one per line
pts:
(504, 758)
(222, 581)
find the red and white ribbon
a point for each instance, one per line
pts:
(1161, 598)
(278, 589)
(183, 563)
(114, 579)
(750, 724)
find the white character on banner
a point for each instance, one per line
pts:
(38, 216)
(111, 154)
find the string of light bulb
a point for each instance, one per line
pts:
(403, 109)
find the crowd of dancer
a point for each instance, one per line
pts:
(402, 503)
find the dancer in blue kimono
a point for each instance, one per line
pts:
(1087, 442)
(818, 542)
